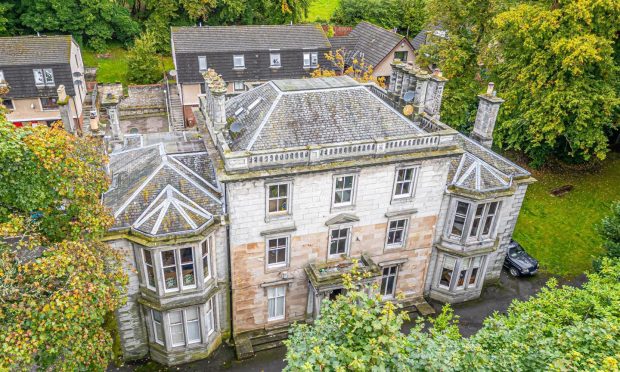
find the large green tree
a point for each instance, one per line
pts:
(408, 16)
(560, 328)
(144, 66)
(555, 65)
(609, 230)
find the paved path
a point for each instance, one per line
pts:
(471, 314)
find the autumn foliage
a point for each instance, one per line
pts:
(343, 64)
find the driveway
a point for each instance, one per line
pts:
(471, 315)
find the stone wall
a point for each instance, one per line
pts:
(143, 100)
(131, 326)
(311, 208)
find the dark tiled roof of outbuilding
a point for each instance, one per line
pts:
(419, 39)
(35, 50)
(302, 112)
(247, 38)
(159, 191)
(372, 41)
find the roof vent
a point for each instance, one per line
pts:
(255, 103)
(239, 111)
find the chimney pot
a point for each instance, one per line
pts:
(437, 72)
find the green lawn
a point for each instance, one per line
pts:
(559, 231)
(322, 10)
(114, 69)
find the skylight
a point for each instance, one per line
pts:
(255, 103)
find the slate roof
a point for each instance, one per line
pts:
(419, 39)
(248, 38)
(30, 50)
(158, 191)
(371, 41)
(302, 112)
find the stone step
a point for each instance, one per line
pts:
(243, 347)
(267, 346)
(271, 337)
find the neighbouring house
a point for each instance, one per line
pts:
(34, 69)
(244, 55)
(170, 227)
(379, 47)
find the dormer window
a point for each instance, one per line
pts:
(471, 221)
(311, 59)
(43, 77)
(275, 60)
(202, 63)
(239, 61)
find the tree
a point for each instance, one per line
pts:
(556, 67)
(144, 65)
(343, 64)
(53, 307)
(51, 183)
(560, 328)
(609, 230)
(95, 22)
(408, 16)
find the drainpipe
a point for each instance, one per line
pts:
(230, 301)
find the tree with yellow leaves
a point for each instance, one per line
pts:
(345, 64)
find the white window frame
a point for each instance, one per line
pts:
(398, 185)
(239, 58)
(185, 326)
(347, 241)
(478, 217)
(209, 244)
(273, 56)
(48, 81)
(210, 316)
(335, 189)
(441, 268)
(466, 268)
(146, 269)
(309, 57)
(43, 108)
(386, 278)
(38, 73)
(405, 230)
(154, 324)
(202, 66)
(236, 88)
(179, 269)
(287, 248)
(289, 194)
(2, 79)
(275, 293)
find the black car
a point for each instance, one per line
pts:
(518, 262)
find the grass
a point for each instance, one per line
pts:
(114, 69)
(322, 10)
(560, 231)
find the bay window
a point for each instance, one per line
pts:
(460, 273)
(149, 270)
(158, 328)
(183, 327)
(178, 268)
(447, 270)
(205, 249)
(473, 221)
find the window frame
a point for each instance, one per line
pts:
(154, 327)
(51, 81)
(11, 106)
(415, 171)
(2, 78)
(402, 51)
(474, 224)
(209, 243)
(210, 315)
(405, 233)
(178, 265)
(271, 58)
(462, 269)
(48, 107)
(236, 58)
(185, 326)
(347, 243)
(442, 266)
(310, 56)
(242, 83)
(275, 298)
(389, 275)
(353, 189)
(287, 248)
(200, 60)
(289, 198)
(145, 265)
(35, 72)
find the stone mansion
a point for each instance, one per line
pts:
(246, 225)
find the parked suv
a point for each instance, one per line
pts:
(518, 262)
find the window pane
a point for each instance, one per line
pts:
(473, 276)
(188, 274)
(177, 335)
(205, 260)
(273, 206)
(187, 255)
(279, 306)
(49, 76)
(191, 313)
(175, 317)
(170, 277)
(167, 258)
(150, 276)
(446, 277)
(38, 77)
(272, 307)
(457, 226)
(193, 331)
(461, 208)
(156, 315)
(273, 191)
(282, 190)
(346, 196)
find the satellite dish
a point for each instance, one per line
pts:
(236, 127)
(408, 110)
(408, 97)
(77, 74)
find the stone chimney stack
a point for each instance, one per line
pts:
(65, 109)
(488, 108)
(434, 93)
(216, 99)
